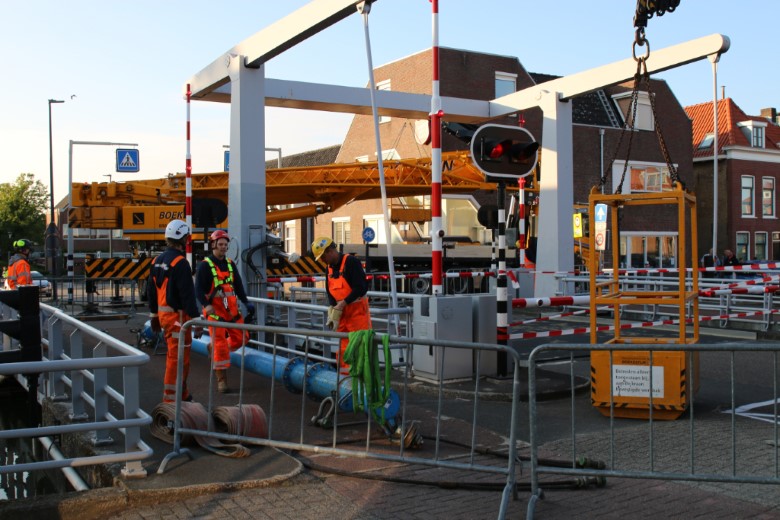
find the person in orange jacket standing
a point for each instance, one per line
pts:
(346, 288)
(172, 302)
(218, 287)
(18, 266)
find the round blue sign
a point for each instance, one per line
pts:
(369, 235)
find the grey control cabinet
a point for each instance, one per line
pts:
(443, 318)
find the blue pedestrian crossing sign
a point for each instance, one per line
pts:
(368, 234)
(127, 160)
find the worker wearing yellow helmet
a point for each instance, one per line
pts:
(346, 288)
(18, 266)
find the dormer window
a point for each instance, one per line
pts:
(755, 132)
(644, 110)
(706, 142)
(758, 137)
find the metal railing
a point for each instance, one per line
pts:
(74, 371)
(686, 449)
(312, 373)
(753, 310)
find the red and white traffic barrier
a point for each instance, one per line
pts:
(555, 301)
(625, 326)
(741, 290)
(408, 276)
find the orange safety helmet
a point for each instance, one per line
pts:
(216, 235)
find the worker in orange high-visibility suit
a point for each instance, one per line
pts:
(18, 266)
(346, 287)
(172, 303)
(218, 287)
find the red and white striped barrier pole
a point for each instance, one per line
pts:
(437, 233)
(555, 301)
(521, 221)
(188, 184)
(740, 290)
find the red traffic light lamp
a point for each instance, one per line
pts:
(504, 151)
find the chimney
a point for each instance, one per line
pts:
(769, 113)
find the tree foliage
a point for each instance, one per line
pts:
(23, 206)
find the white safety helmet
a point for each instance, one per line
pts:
(177, 230)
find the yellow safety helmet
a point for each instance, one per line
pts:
(319, 246)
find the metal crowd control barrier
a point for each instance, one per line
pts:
(692, 463)
(283, 368)
(64, 370)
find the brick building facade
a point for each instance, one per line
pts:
(748, 176)
(597, 116)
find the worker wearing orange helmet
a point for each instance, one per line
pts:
(346, 288)
(218, 287)
(18, 266)
(172, 303)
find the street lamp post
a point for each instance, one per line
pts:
(51, 229)
(70, 203)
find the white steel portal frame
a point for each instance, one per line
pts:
(237, 77)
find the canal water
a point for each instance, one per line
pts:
(14, 414)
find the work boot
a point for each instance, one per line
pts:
(222, 386)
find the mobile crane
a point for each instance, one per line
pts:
(142, 208)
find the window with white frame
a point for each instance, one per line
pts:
(506, 83)
(646, 177)
(341, 231)
(644, 110)
(758, 137)
(743, 246)
(289, 235)
(747, 196)
(650, 178)
(761, 238)
(384, 85)
(707, 142)
(768, 196)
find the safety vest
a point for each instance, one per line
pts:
(223, 296)
(162, 286)
(338, 286)
(18, 274)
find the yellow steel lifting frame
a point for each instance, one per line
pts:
(611, 393)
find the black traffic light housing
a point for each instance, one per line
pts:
(504, 151)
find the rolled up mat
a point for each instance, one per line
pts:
(194, 417)
(250, 418)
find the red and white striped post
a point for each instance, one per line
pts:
(521, 221)
(437, 233)
(188, 183)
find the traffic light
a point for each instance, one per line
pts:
(504, 151)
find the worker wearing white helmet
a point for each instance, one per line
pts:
(172, 302)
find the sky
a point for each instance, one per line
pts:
(121, 68)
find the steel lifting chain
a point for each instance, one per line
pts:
(641, 76)
(629, 124)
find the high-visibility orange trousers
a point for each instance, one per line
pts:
(355, 316)
(171, 324)
(224, 341)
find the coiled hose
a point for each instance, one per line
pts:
(194, 417)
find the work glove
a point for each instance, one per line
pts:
(334, 315)
(197, 331)
(155, 325)
(250, 313)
